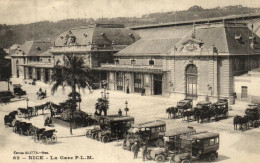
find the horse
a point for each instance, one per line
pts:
(188, 114)
(172, 111)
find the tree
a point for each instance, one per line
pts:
(72, 74)
(5, 66)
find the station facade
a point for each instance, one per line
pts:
(201, 64)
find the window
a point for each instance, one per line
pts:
(244, 92)
(212, 141)
(49, 60)
(116, 61)
(133, 61)
(151, 62)
(216, 141)
(206, 143)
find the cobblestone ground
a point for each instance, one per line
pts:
(235, 146)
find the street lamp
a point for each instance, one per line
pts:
(27, 100)
(126, 108)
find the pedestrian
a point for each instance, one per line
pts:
(136, 150)
(120, 112)
(144, 151)
(127, 90)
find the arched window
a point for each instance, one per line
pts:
(191, 80)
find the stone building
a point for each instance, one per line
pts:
(96, 44)
(200, 64)
(35, 59)
(31, 60)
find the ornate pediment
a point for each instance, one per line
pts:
(192, 45)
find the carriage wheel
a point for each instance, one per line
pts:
(148, 156)
(94, 136)
(105, 139)
(54, 138)
(44, 139)
(159, 158)
(185, 161)
(88, 134)
(212, 157)
(159, 143)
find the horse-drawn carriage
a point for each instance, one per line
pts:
(171, 141)
(27, 112)
(220, 109)
(250, 119)
(45, 135)
(181, 107)
(202, 111)
(151, 132)
(23, 128)
(41, 95)
(8, 119)
(18, 90)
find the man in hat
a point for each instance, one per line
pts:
(136, 150)
(120, 112)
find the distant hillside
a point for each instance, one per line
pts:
(11, 34)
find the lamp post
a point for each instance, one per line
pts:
(27, 100)
(8, 82)
(126, 108)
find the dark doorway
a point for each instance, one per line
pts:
(38, 73)
(191, 81)
(17, 72)
(30, 72)
(157, 84)
(137, 82)
(47, 75)
(119, 81)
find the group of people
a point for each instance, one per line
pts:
(137, 146)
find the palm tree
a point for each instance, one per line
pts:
(73, 74)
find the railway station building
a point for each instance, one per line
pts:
(202, 63)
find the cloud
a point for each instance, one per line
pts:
(27, 11)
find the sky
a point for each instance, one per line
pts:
(29, 11)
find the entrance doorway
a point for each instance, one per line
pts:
(47, 75)
(191, 81)
(17, 72)
(157, 86)
(38, 74)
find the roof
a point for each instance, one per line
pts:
(150, 124)
(223, 37)
(203, 102)
(101, 34)
(202, 135)
(45, 54)
(151, 47)
(200, 21)
(32, 48)
(164, 32)
(179, 131)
